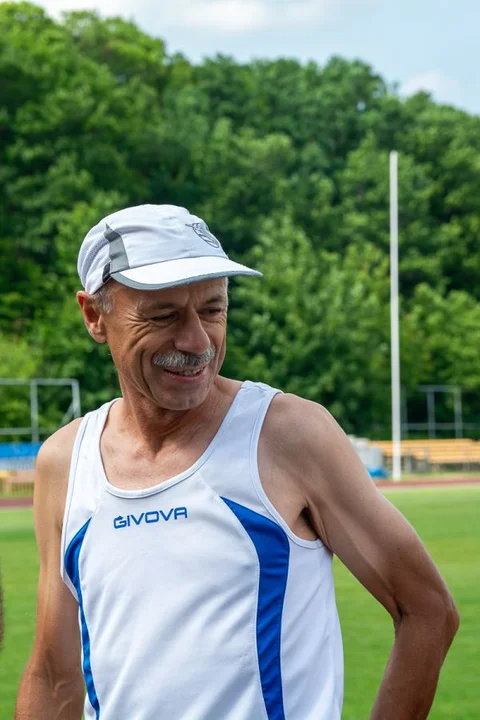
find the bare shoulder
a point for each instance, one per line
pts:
(286, 407)
(300, 440)
(52, 470)
(300, 428)
(56, 451)
(312, 444)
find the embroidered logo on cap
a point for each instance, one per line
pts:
(201, 229)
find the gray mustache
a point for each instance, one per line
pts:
(180, 360)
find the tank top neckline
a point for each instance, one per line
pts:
(165, 484)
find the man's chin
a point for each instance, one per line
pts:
(182, 398)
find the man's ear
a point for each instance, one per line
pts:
(92, 317)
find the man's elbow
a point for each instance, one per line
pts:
(436, 612)
(446, 615)
(451, 619)
(445, 618)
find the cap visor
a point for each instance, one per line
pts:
(181, 272)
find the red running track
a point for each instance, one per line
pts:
(16, 502)
(407, 484)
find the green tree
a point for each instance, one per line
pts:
(288, 163)
(316, 325)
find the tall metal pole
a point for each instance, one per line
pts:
(457, 395)
(432, 425)
(34, 411)
(76, 399)
(394, 318)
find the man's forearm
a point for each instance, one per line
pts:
(411, 676)
(40, 699)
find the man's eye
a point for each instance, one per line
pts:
(163, 318)
(213, 311)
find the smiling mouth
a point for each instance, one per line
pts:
(186, 373)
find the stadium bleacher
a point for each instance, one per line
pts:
(436, 453)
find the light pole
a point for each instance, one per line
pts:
(394, 317)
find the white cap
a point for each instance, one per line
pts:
(150, 247)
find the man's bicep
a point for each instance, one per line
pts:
(366, 532)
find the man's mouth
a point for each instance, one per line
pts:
(186, 373)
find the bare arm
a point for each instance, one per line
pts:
(52, 685)
(378, 546)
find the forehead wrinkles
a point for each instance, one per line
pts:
(143, 302)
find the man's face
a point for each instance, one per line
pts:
(169, 345)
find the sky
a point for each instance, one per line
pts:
(431, 45)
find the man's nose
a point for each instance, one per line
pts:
(190, 335)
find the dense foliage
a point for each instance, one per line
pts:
(288, 163)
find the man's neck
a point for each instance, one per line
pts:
(152, 426)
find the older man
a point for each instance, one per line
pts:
(186, 529)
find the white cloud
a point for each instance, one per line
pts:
(309, 11)
(106, 8)
(224, 16)
(239, 16)
(432, 81)
(235, 16)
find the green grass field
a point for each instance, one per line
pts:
(446, 519)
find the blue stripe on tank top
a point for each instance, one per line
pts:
(273, 550)
(72, 556)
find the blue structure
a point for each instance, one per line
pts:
(378, 473)
(18, 456)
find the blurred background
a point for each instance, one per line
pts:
(273, 120)
(287, 160)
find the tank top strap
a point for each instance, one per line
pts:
(86, 478)
(251, 407)
(238, 447)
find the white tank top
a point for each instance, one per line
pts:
(196, 600)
